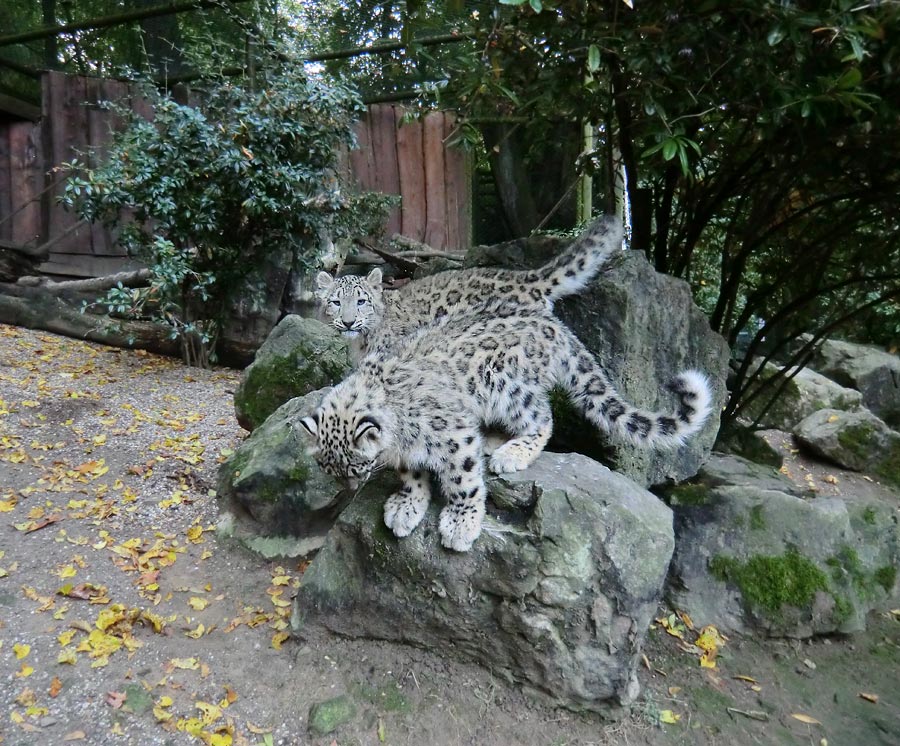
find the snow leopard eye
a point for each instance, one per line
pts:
(335, 303)
(361, 302)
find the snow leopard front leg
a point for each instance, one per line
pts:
(405, 509)
(461, 476)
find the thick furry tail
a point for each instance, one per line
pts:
(569, 272)
(606, 409)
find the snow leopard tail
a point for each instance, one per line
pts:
(599, 402)
(569, 272)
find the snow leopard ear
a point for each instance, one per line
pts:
(373, 279)
(311, 424)
(324, 281)
(367, 427)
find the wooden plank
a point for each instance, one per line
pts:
(435, 202)
(360, 157)
(68, 120)
(384, 148)
(98, 135)
(5, 190)
(459, 189)
(26, 178)
(411, 167)
(451, 185)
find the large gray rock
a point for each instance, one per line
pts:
(805, 393)
(870, 370)
(643, 327)
(272, 495)
(299, 356)
(557, 598)
(750, 556)
(859, 441)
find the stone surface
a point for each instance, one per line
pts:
(751, 557)
(749, 444)
(870, 370)
(272, 494)
(859, 441)
(643, 327)
(299, 356)
(805, 393)
(557, 598)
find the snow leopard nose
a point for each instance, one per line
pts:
(347, 324)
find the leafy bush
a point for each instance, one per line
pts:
(207, 194)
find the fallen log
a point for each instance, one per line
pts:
(134, 278)
(33, 309)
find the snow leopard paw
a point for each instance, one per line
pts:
(511, 456)
(459, 526)
(404, 511)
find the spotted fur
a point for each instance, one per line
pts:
(423, 410)
(357, 306)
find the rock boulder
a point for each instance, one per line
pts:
(557, 597)
(870, 370)
(272, 494)
(805, 393)
(299, 356)
(859, 441)
(751, 556)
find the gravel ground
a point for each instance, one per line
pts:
(124, 620)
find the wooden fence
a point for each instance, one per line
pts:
(411, 160)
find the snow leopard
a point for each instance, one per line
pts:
(422, 409)
(358, 307)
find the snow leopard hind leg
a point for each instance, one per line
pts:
(530, 420)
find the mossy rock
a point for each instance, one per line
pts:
(326, 717)
(855, 440)
(300, 356)
(272, 488)
(758, 559)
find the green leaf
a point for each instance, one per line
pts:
(850, 79)
(669, 148)
(512, 2)
(776, 35)
(593, 58)
(536, 5)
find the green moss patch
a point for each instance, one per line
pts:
(886, 577)
(770, 582)
(690, 495)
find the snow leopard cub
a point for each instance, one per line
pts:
(358, 307)
(422, 410)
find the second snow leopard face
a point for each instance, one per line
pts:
(423, 409)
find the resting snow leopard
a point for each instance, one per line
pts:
(422, 410)
(358, 307)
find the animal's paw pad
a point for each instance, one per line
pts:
(403, 512)
(459, 527)
(511, 457)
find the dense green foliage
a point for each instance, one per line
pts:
(759, 140)
(209, 195)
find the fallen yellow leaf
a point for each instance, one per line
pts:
(805, 718)
(21, 650)
(198, 604)
(667, 716)
(873, 698)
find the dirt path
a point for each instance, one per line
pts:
(123, 620)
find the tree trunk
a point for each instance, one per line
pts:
(511, 178)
